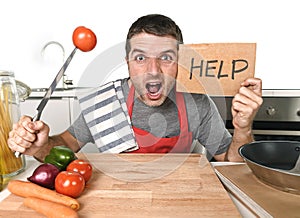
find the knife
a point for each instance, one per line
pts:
(50, 90)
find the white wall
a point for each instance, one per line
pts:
(27, 25)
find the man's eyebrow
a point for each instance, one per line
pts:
(170, 51)
(136, 50)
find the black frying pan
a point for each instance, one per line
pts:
(270, 162)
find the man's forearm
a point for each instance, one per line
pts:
(43, 152)
(240, 137)
(64, 138)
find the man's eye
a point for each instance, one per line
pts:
(166, 58)
(140, 58)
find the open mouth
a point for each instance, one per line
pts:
(154, 90)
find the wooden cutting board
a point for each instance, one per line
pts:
(149, 185)
(263, 199)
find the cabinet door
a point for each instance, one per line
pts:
(56, 113)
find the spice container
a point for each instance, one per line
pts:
(9, 114)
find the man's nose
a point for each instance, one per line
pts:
(153, 65)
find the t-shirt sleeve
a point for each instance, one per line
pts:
(212, 132)
(80, 130)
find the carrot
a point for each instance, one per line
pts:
(50, 209)
(29, 189)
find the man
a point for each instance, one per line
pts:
(161, 119)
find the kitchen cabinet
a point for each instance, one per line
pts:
(56, 113)
(60, 112)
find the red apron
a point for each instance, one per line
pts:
(149, 143)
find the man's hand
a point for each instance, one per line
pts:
(28, 137)
(246, 103)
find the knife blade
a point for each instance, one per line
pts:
(50, 90)
(52, 87)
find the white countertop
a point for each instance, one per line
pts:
(72, 92)
(31, 164)
(60, 92)
(281, 92)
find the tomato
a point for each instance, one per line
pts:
(82, 167)
(84, 39)
(69, 183)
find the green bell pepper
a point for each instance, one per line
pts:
(60, 156)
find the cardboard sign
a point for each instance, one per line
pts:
(216, 69)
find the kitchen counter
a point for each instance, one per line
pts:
(185, 185)
(281, 92)
(59, 92)
(75, 91)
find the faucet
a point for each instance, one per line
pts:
(66, 83)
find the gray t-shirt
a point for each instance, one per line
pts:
(204, 121)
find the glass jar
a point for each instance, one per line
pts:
(10, 165)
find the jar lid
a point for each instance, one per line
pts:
(6, 73)
(23, 90)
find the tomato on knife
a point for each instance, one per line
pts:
(81, 166)
(84, 39)
(69, 183)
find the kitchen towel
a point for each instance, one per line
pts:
(106, 115)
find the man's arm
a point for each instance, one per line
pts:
(240, 137)
(245, 105)
(64, 138)
(32, 138)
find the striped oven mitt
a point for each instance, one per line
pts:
(106, 115)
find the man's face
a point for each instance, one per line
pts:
(152, 65)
